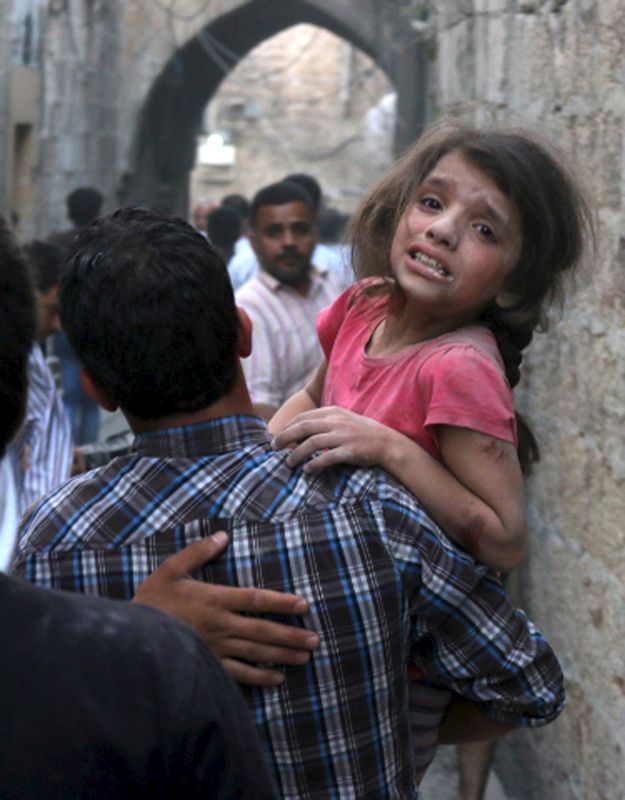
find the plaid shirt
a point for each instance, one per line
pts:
(384, 585)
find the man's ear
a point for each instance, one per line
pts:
(253, 240)
(96, 392)
(244, 339)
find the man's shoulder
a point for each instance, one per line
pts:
(254, 289)
(122, 625)
(46, 517)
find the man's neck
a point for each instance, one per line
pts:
(303, 288)
(235, 402)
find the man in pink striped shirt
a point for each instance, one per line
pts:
(284, 298)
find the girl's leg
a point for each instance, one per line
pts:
(427, 707)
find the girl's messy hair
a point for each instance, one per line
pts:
(557, 221)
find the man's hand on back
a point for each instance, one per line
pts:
(217, 613)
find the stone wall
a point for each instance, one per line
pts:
(5, 82)
(125, 84)
(79, 136)
(559, 66)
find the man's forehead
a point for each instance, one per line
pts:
(284, 212)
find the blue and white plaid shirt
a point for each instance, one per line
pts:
(384, 584)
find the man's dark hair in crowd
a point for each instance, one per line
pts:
(46, 264)
(309, 184)
(237, 203)
(278, 194)
(83, 205)
(179, 366)
(17, 332)
(223, 229)
(332, 225)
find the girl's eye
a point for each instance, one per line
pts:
(485, 231)
(431, 202)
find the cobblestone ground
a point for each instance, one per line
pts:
(441, 780)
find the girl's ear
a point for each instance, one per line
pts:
(244, 339)
(96, 392)
(505, 300)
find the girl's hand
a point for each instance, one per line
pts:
(337, 436)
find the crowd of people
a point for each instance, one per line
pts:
(326, 482)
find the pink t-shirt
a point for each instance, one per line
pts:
(455, 379)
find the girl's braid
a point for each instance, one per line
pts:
(511, 341)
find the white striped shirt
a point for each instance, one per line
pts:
(41, 452)
(8, 512)
(285, 348)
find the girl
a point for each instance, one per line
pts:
(461, 248)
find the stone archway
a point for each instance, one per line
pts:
(164, 141)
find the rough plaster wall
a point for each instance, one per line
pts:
(101, 57)
(559, 65)
(79, 136)
(5, 30)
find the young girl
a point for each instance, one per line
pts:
(461, 249)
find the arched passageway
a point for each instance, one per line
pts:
(164, 141)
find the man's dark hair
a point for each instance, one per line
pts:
(148, 306)
(332, 225)
(279, 194)
(17, 333)
(223, 227)
(309, 185)
(237, 203)
(46, 264)
(83, 205)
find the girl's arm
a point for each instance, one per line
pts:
(476, 497)
(304, 400)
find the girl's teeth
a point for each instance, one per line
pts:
(432, 263)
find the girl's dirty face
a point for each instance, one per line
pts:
(457, 242)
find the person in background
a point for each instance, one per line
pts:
(334, 252)
(223, 230)
(83, 206)
(100, 699)
(244, 255)
(200, 213)
(327, 255)
(18, 320)
(41, 453)
(240, 204)
(284, 298)
(245, 265)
